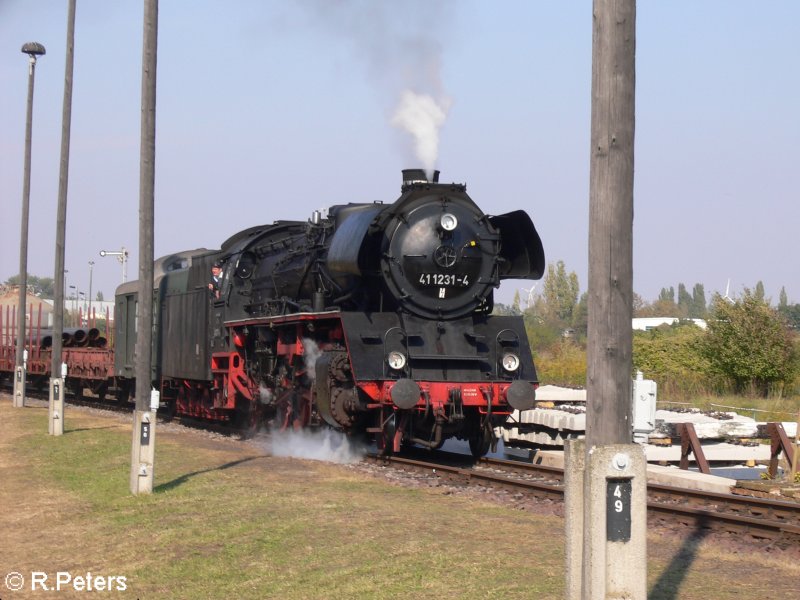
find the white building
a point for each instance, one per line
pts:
(648, 323)
(99, 307)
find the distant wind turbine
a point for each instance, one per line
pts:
(726, 296)
(529, 297)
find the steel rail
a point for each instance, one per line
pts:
(112, 406)
(760, 528)
(743, 505)
(766, 519)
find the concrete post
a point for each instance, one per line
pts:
(143, 452)
(56, 407)
(615, 523)
(574, 469)
(19, 386)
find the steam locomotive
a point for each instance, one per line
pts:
(371, 318)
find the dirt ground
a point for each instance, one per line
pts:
(26, 505)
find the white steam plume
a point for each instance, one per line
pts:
(323, 444)
(265, 395)
(326, 445)
(422, 116)
(401, 44)
(311, 353)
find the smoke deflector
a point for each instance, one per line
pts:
(522, 251)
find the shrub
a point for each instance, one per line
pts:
(750, 343)
(672, 355)
(562, 363)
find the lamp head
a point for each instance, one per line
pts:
(33, 49)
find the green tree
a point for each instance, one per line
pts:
(560, 292)
(759, 293)
(555, 312)
(504, 310)
(541, 333)
(580, 317)
(663, 306)
(749, 343)
(698, 309)
(41, 286)
(639, 304)
(515, 304)
(684, 301)
(99, 296)
(791, 312)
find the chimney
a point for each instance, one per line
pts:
(417, 176)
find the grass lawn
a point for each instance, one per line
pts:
(225, 520)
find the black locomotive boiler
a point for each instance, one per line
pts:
(371, 318)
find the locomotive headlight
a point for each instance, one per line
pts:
(396, 360)
(510, 362)
(448, 222)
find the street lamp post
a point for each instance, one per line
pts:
(89, 310)
(32, 49)
(122, 257)
(65, 297)
(66, 293)
(73, 295)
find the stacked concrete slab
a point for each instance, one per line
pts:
(554, 393)
(544, 426)
(707, 427)
(561, 415)
(715, 452)
(656, 474)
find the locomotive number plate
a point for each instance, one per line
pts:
(444, 279)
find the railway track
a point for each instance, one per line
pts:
(765, 521)
(105, 405)
(43, 395)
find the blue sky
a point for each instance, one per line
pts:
(268, 110)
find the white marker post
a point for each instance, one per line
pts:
(56, 405)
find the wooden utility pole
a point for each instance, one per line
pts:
(609, 366)
(143, 444)
(606, 522)
(56, 404)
